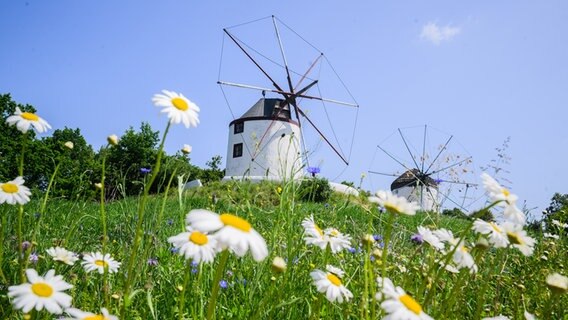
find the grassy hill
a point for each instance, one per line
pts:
(163, 282)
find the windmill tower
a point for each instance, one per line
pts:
(264, 143)
(417, 187)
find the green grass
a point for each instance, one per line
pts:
(507, 282)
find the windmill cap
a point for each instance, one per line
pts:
(410, 178)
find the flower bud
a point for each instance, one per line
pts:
(278, 265)
(186, 149)
(112, 139)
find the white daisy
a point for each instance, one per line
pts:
(429, 237)
(62, 255)
(557, 282)
(396, 204)
(497, 236)
(194, 245)
(559, 224)
(337, 240)
(330, 283)
(461, 257)
(529, 316)
(518, 238)
(550, 235)
(233, 232)
(98, 262)
(313, 235)
(178, 108)
(23, 120)
(14, 191)
(82, 315)
(505, 197)
(41, 292)
(397, 304)
(499, 317)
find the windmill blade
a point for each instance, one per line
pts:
(423, 159)
(459, 182)
(438, 155)
(395, 159)
(340, 155)
(407, 148)
(253, 60)
(384, 174)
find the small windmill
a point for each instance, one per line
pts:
(429, 181)
(268, 141)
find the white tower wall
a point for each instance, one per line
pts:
(268, 151)
(428, 201)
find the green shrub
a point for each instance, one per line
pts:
(315, 190)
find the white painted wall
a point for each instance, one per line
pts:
(275, 157)
(429, 199)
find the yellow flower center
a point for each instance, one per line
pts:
(9, 188)
(95, 317)
(334, 279)
(392, 208)
(101, 263)
(410, 304)
(235, 222)
(198, 238)
(514, 238)
(318, 229)
(334, 232)
(29, 116)
(495, 227)
(41, 289)
(180, 104)
(506, 192)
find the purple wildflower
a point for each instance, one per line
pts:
(152, 262)
(174, 250)
(352, 250)
(34, 257)
(145, 170)
(26, 245)
(223, 284)
(417, 238)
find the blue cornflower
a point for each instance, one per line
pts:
(145, 170)
(313, 171)
(223, 284)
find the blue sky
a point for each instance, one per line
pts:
(480, 71)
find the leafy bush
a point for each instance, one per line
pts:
(315, 190)
(455, 212)
(485, 215)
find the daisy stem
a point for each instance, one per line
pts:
(388, 231)
(456, 290)
(547, 312)
(2, 248)
(104, 224)
(140, 218)
(184, 290)
(21, 213)
(42, 209)
(216, 284)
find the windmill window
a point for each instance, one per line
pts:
(239, 127)
(237, 150)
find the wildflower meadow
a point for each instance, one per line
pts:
(237, 250)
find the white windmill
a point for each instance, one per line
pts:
(270, 139)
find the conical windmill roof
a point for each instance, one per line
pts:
(410, 178)
(268, 108)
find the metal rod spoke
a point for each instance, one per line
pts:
(438, 155)
(407, 148)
